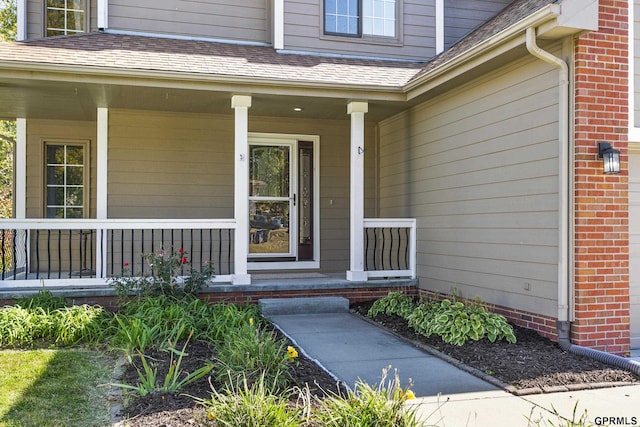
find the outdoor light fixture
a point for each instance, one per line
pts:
(610, 158)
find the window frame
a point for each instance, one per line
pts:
(360, 34)
(85, 175)
(65, 31)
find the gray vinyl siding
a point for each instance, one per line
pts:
(463, 16)
(41, 131)
(478, 168)
(36, 18)
(303, 31)
(244, 20)
(180, 165)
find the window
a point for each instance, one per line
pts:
(343, 17)
(66, 17)
(65, 180)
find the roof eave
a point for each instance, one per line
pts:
(195, 81)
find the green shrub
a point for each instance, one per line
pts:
(63, 326)
(43, 299)
(369, 406)
(456, 323)
(395, 303)
(250, 353)
(252, 404)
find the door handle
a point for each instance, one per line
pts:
(294, 199)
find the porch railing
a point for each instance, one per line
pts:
(390, 247)
(35, 249)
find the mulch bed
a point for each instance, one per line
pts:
(533, 364)
(173, 410)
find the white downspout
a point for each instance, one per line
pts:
(563, 160)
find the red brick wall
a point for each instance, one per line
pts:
(601, 216)
(359, 294)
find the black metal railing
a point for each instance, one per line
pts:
(387, 248)
(43, 253)
(126, 249)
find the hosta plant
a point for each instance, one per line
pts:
(457, 323)
(395, 303)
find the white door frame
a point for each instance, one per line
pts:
(275, 139)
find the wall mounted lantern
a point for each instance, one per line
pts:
(610, 158)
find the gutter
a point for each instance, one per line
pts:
(563, 324)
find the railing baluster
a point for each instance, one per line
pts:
(2, 254)
(14, 254)
(37, 254)
(91, 269)
(122, 251)
(229, 257)
(111, 250)
(142, 247)
(70, 256)
(407, 233)
(59, 254)
(81, 252)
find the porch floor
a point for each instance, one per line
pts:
(273, 284)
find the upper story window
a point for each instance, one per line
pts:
(360, 17)
(66, 17)
(65, 180)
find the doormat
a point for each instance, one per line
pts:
(267, 276)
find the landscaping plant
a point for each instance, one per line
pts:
(169, 273)
(172, 382)
(251, 353)
(453, 321)
(457, 323)
(369, 406)
(395, 303)
(252, 404)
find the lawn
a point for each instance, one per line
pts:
(54, 387)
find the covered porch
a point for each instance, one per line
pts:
(170, 159)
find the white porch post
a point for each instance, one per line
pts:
(20, 197)
(241, 104)
(357, 111)
(102, 165)
(21, 20)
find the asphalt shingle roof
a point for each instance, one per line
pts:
(152, 54)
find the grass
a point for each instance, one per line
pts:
(54, 387)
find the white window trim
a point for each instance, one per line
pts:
(86, 173)
(86, 20)
(362, 37)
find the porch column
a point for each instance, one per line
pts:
(102, 164)
(20, 196)
(241, 104)
(357, 110)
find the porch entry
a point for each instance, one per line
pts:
(281, 200)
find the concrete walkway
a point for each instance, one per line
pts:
(351, 349)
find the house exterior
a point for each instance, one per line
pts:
(432, 146)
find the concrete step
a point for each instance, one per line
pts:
(280, 306)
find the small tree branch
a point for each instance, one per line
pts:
(7, 139)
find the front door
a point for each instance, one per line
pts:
(273, 218)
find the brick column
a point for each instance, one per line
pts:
(601, 216)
